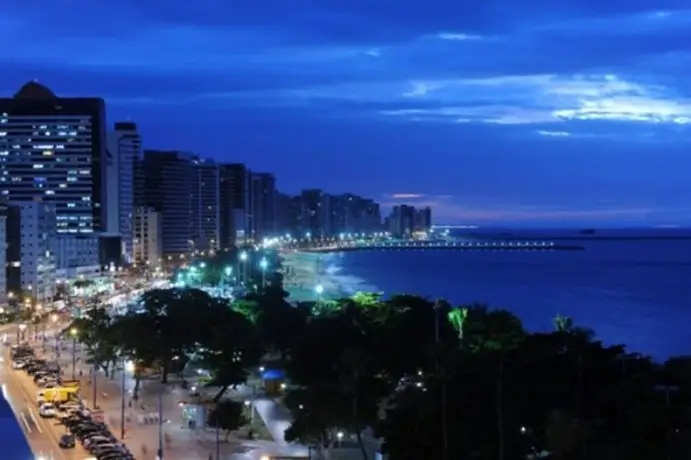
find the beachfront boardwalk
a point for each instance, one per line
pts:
(457, 245)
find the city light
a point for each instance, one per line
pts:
(263, 263)
(319, 289)
(243, 256)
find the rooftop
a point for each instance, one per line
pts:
(34, 90)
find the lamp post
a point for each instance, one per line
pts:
(20, 332)
(227, 272)
(263, 264)
(243, 260)
(127, 366)
(319, 289)
(160, 423)
(73, 333)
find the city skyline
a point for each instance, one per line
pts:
(492, 116)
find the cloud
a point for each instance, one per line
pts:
(406, 196)
(546, 99)
(542, 132)
(457, 36)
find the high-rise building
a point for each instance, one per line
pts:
(262, 215)
(166, 180)
(314, 214)
(124, 148)
(423, 219)
(205, 218)
(371, 216)
(30, 255)
(147, 237)
(234, 203)
(402, 221)
(286, 215)
(53, 149)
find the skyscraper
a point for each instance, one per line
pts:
(166, 179)
(314, 214)
(30, 230)
(205, 219)
(262, 208)
(124, 148)
(402, 221)
(53, 149)
(234, 203)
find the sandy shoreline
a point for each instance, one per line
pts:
(303, 272)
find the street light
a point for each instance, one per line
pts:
(73, 333)
(127, 366)
(263, 264)
(243, 259)
(319, 289)
(227, 272)
(20, 332)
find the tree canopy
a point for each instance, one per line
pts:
(415, 377)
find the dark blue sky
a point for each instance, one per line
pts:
(531, 112)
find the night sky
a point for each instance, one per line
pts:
(531, 112)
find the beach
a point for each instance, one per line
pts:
(304, 271)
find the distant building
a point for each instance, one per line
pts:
(352, 214)
(53, 149)
(262, 206)
(166, 180)
(147, 237)
(402, 221)
(233, 203)
(205, 216)
(314, 214)
(423, 219)
(30, 235)
(124, 149)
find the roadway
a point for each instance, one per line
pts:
(43, 435)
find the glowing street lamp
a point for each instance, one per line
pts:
(243, 260)
(319, 289)
(263, 264)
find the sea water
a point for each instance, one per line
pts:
(631, 291)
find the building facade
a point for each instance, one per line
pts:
(124, 148)
(167, 180)
(76, 257)
(314, 214)
(233, 204)
(205, 211)
(402, 221)
(147, 237)
(53, 149)
(262, 206)
(30, 235)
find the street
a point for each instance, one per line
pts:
(43, 434)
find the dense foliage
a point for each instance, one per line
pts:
(428, 380)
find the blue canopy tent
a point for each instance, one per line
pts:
(12, 438)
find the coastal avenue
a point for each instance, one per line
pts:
(42, 434)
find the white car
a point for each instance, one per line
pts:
(18, 364)
(47, 410)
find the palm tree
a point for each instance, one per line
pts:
(457, 318)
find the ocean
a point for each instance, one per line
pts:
(634, 290)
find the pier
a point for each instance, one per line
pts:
(439, 245)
